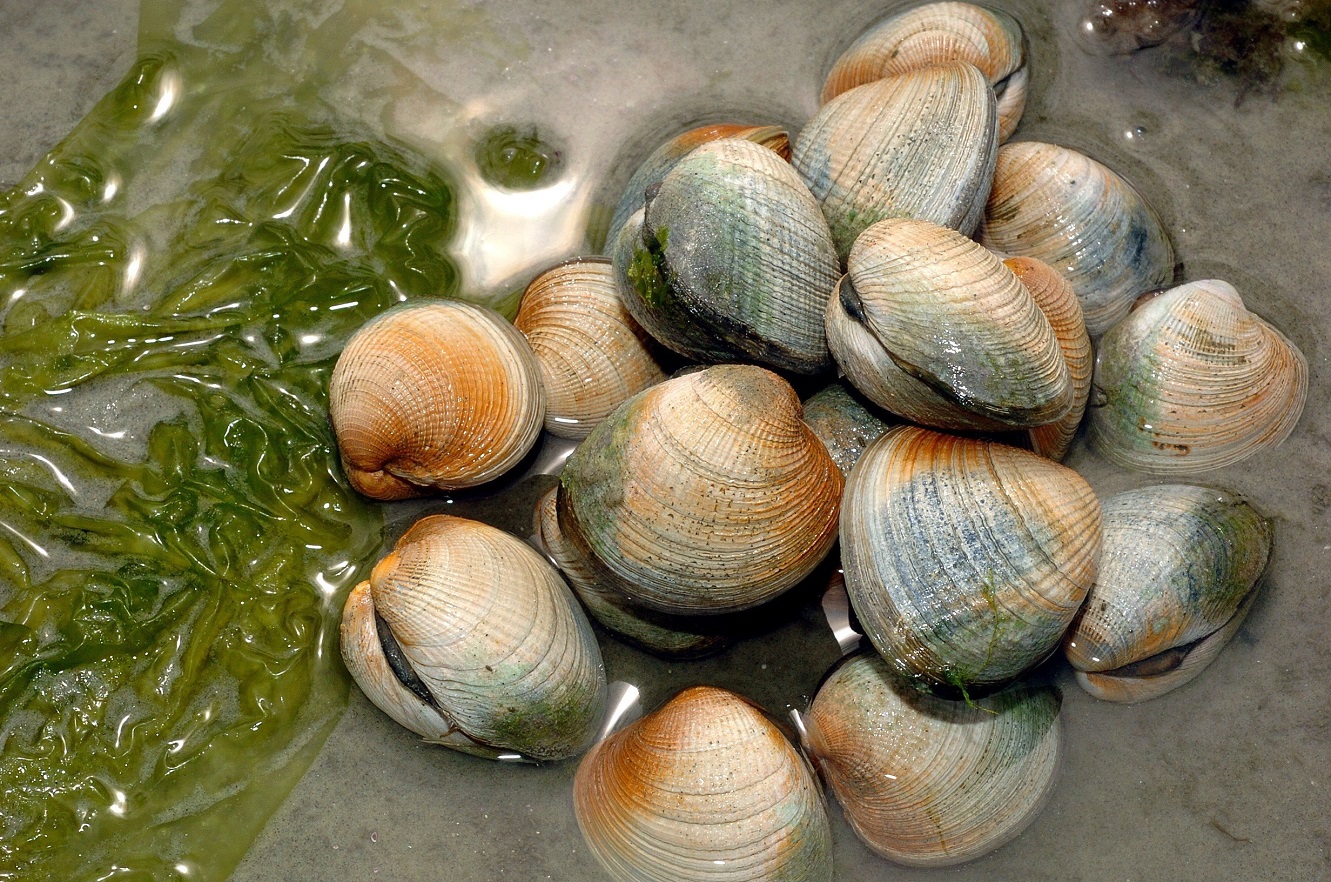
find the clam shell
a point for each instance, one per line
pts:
(920, 144)
(705, 494)
(363, 653)
(743, 255)
(1056, 300)
(1178, 570)
(965, 560)
(964, 345)
(440, 395)
(591, 354)
(705, 789)
(491, 637)
(936, 33)
(929, 782)
(842, 423)
(656, 166)
(1088, 223)
(670, 636)
(1192, 381)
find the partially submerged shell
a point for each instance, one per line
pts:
(843, 423)
(441, 395)
(705, 494)
(733, 260)
(960, 342)
(1192, 381)
(592, 355)
(935, 33)
(670, 636)
(930, 782)
(656, 166)
(1064, 208)
(920, 144)
(467, 636)
(1178, 572)
(705, 789)
(965, 560)
(1058, 302)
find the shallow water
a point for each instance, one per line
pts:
(1224, 778)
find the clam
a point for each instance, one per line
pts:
(935, 33)
(1056, 300)
(1192, 380)
(705, 789)
(1088, 223)
(920, 144)
(732, 261)
(842, 423)
(929, 782)
(933, 327)
(965, 560)
(670, 636)
(705, 494)
(468, 637)
(1177, 575)
(441, 395)
(656, 166)
(591, 354)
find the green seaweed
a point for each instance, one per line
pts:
(516, 159)
(168, 616)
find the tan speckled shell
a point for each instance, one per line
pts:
(926, 781)
(592, 355)
(1192, 381)
(705, 788)
(962, 343)
(705, 494)
(1058, 302)
(440, 395)
(1085, 221)
(934, 33)
(493, 634)
(965, 560)
(920, 144)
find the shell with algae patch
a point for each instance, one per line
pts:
(467, 636)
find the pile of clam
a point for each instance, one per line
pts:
(957, 283)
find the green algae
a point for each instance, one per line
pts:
(516, 159)
(168, 608)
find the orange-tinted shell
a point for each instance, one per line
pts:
(1060, 306)
(705, 788)
(440, 395)
(592, 355)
